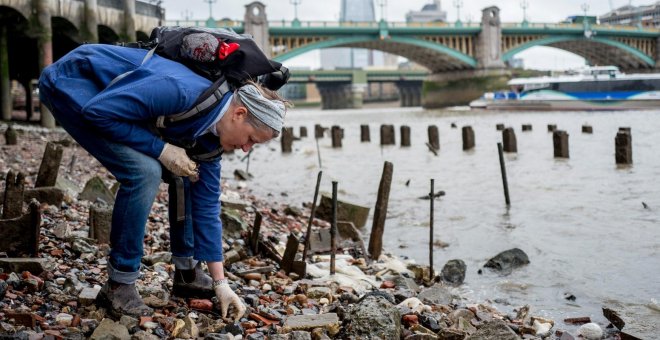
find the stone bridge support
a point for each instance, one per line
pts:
(5, 84)
(89, 32)
(336, 95)
(256, 24)
(44, 33)
(410, 93)
(128, 33)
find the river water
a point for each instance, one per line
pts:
(581, 220)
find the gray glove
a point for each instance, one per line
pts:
(226, 297)
(176, 160)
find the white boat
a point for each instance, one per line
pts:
(590, 88)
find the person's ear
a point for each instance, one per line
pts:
(240, 113)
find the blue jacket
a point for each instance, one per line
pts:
(122, 113)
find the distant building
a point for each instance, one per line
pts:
(430, 13)
(646, 16)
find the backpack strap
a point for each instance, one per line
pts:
(204, 105)
(123, 75)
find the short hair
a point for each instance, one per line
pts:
(268, 94)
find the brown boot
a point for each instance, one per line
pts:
(192, 283)
(122, 299)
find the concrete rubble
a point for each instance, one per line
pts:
(53, 294)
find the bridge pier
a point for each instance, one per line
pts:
(44, 32)
(340, 95)
(256, 24)
(410, 93)
(129, 35)
(90, 32)
(5, 83)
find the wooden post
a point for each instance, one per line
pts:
(552, 127)
(468, 138)
(505, 183)
(100, 222)
(318, 151)
(509, 139)
(303, 131)
(434, 137)
(336, 134)
(287, 140)
(431, 198)
(333, 229)
(380, 212)
(12, 205)
(387, 135)
(587, 129)
(499, 127)
(405, 135)
(311, 216)
(318, 131)
(365, 136)
(289, 253)
(560, 143)
(50, 166)
(11, 137)
(623, 146)
(254, 235)
(20, 236)
(527, 127)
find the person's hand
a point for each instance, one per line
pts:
(176, 160)
(227, 297)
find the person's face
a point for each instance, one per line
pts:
(237, 133)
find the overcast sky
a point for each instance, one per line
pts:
(395, 10)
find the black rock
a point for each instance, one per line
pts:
(508, 260)
(429, 322)
(234, 329)
(256, 336)
(251, 300)
(454, 272)
(3, 289)
(389, 297)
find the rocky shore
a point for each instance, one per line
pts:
(52, 295)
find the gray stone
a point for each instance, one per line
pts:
(232, 224)
(454, 271)
(110, 330)
(280, 337)
(80, 246)
(329, 321)
(161, 256)
(217, 336)
(143, 335)
(300, 335)
(88, 295)
(495, 329)
(128, 321)
(96, 189)
(319, 292)
(507, 261)
(373, 316)
(436, 294)
(156, 297)
(345, 211)
(67, 186)
(100, 222)
(62, 230)
(19, 265)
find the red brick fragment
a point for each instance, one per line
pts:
(259, 318)
(410, 320)
(387, 284)
(201, 304)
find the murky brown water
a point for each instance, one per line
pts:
(580, 220)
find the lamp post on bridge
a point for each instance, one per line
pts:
(585, 22)
(382, 4)
(524, 4)
(295, 3)
(458, 4)
(210, 22)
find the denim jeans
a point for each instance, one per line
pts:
(139, 176)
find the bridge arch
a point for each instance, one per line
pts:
(435, 57)
(597, 50)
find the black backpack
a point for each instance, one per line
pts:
(223, 56)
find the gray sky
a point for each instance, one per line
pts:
(511, 11)
(395, 10)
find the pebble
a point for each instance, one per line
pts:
(590, 331)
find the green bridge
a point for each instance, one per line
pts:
(33, 33)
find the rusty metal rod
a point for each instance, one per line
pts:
(431, 233)
(311, 217)
(503, 170)
(318, 152)
(333, 229)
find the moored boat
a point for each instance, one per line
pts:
(590, 88)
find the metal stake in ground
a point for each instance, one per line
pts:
(318, 151)
(333, 229)
(247, 167)
(431, 196)
(311, 216)
(503, 170)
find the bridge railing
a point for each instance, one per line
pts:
(368, 24)
(577, 26)
(203, 23)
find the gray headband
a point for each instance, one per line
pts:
(269, 112)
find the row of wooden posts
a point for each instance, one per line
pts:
(623, 139)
